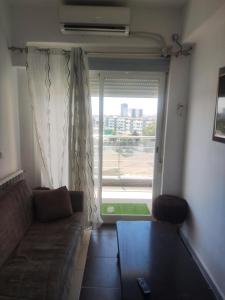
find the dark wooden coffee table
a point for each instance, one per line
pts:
(154, 250)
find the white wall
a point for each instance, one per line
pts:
(9, 123)
(177, 98)
(196, 14)
(38, 24)
(204, 171)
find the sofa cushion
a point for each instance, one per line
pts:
(39, 270)
(53, 204)
(15, 217)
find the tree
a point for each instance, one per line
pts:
(150, 129)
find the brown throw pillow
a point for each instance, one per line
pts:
(53, 204)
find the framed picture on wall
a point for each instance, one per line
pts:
(219, 122)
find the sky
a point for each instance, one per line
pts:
(221, 105)
(112, 105)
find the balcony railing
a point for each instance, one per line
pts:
(128, 158)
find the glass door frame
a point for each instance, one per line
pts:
(160, 126)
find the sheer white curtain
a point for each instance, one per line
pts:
(59, 89)
(48, 80)
(81, 166)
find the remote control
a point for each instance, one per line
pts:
(144, 285)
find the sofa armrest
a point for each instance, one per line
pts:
(77, 200)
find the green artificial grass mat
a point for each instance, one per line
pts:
(133, 209)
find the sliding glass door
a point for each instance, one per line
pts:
(127, 117)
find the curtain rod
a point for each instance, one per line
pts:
(155, 52)
(163, 52)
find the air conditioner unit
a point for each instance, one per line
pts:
(94, 20)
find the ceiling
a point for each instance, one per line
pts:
(130, 3)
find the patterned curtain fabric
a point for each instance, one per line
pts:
(49, 84)
(81, 166)
(61, 105)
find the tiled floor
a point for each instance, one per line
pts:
(101, 277)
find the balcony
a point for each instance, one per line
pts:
(127, 173)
